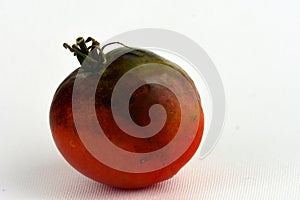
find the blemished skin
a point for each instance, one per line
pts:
(68, 141)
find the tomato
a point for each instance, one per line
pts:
(87, 129)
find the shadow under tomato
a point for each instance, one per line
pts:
(57, 180)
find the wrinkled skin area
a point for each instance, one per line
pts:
(75, 152)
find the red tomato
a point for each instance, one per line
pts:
(133, 161)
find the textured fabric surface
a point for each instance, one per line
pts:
(200, 179)
(255, 46)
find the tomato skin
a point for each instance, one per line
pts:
(74, 151)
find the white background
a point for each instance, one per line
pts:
(255, 46)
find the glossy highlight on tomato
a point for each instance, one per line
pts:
(179, 136)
